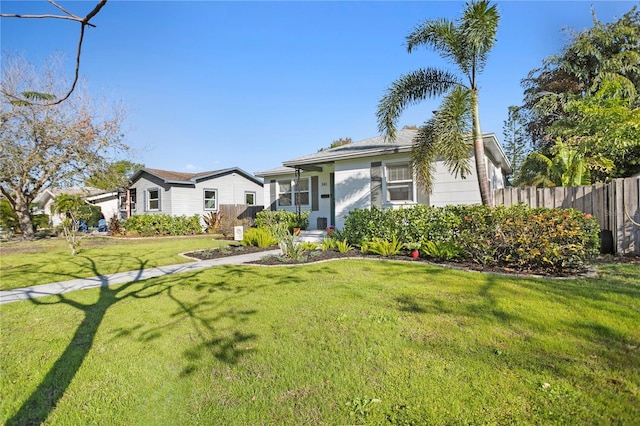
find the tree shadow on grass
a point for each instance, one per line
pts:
(44, 399)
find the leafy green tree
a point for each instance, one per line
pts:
(114, 176)
(57, 145)
(605, 124)
(516, 145)
(603, 53)
(466, 44)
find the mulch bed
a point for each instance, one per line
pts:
(319, 255)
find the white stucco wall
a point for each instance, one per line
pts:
(353, 187)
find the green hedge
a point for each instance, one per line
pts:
(516, 236)
(273, 219)
(148, 225)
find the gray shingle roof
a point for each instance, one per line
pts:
(364, 148)
(377, 146)
(169, 176)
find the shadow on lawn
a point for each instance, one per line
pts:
(43, 400)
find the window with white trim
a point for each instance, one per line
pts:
(284, 192)
(211, 199)
(399, 182)
(250, 198)
(133, 199)
(153, 199)
(301, 193)
(291, 192)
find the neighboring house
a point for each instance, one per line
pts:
(106, 200)
(154, 191)
(332, 182)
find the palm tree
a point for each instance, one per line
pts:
(466, 44)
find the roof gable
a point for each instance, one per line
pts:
(181, 178)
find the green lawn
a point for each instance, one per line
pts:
(25, 264)
(343, 342)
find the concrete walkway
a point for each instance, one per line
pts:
(8, 296)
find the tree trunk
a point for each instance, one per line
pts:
(478, 150)
(24, 218)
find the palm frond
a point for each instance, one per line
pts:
(445, 136)
(479, 25)
(453, 123)
(408, 90)
(423, 156)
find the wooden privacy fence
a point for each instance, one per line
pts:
(616, 205)
(241, 211)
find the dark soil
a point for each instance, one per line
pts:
(231, 250)
(318, 255)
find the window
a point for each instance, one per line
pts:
(133, 198)
(290, 195)
(153, 199)
(399, 182)
(284, 192)
(250, 198)
(210, 199)
(302, 191)
(123, 201)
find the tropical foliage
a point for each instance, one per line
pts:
(589, 95)
(466, 44)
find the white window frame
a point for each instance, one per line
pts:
(133, 200)
(280, 193)
(204, 199)
(293, 192)
(149, 199)
(401, 182)
(254, 198)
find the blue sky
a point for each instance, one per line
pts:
(212, 84)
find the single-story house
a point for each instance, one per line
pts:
(153, 191)
(373, 172)
(106, 200)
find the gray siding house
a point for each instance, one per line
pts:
(154, 191)
(332, 182)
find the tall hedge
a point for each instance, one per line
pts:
(516, 236)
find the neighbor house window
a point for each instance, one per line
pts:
(153, 199)
(250, 198)
(399, 182)
(210, 199)
(293, 192)
(132, 199)
(123, 201)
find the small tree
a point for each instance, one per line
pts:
(72, 209)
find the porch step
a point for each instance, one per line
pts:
(314, 236)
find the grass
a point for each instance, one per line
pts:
(344, 342)
(25, 264)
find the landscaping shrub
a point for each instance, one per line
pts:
(272, 219)
(383, 247)
(516, 236)
(258, 237)
(148, 225)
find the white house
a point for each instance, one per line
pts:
(106, 200)
(154, 191)
(373, 172)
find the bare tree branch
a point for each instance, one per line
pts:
(84, 21)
